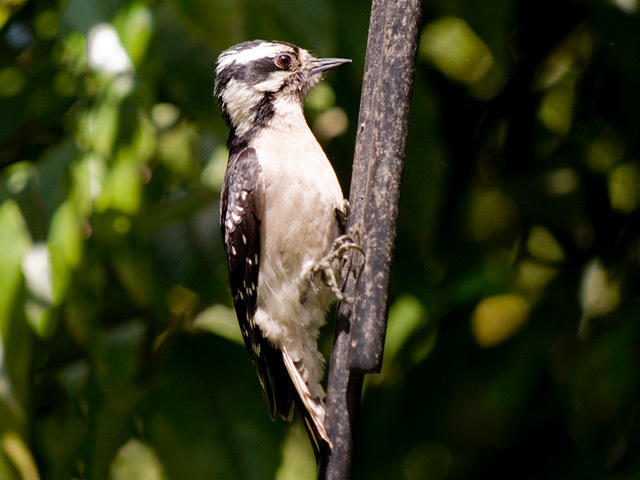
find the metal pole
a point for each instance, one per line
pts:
(375, 188)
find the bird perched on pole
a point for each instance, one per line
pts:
(282, 216)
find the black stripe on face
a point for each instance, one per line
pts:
(250, 73)
(258, 70)
(223, 77)
(262, 113)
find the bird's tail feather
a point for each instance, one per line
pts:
(311, 409)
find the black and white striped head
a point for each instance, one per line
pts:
(251, 77)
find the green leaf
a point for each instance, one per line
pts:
(88, 177)
(220, 320)
(543, 245)
(454, 48)
(82, 14)
(112, 423)
(12, 81)
(133, 270)
(65, 244)
(135, 26)
(52, 168)
(497, 318)
(175, 149)
(116, 354)
(14, 242)
(98, 127)
(6, 472)
(406, 316)
(136, 461)
(123, 187)
(15, 344)
(60, 439)
(624, 187)
(142, 143)
(19, 454)
(297, 456)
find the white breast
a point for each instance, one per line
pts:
(301, 193)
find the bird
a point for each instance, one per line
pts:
(282, 219)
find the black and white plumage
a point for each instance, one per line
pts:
(280, 215)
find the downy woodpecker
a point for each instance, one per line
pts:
(282, 214)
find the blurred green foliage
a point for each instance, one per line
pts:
(514, 333)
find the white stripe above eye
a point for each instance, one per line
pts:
(262, 50)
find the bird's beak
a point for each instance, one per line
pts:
(320, 65)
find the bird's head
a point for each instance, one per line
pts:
(251, 77)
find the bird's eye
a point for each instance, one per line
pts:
(284, 61)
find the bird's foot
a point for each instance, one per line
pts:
(342, 212)
(341, 246)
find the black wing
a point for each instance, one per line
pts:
(241, 210)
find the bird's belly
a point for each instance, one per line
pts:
(299, 221)
(298, 229)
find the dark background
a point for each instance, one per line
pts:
(514, 323)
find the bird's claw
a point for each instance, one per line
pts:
(340, 248)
